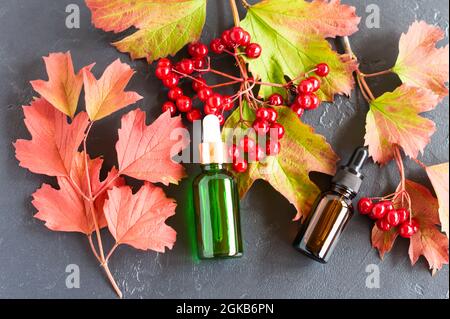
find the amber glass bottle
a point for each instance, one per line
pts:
(332, 211)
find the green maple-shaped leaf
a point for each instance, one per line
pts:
(292, 34)
(393, 119)
(302, 151)
(164, 26)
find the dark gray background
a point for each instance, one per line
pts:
(33, 259)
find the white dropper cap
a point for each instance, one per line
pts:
(211, 129)
(212, 148)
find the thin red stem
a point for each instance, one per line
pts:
(371, 75)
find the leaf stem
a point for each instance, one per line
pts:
(235, 12)
(371, 75)
(101, 254)
(94, 250)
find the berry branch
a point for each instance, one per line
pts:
(236, 42)
(393, 210)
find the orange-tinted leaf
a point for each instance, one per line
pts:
(107, 95)
(54, 141)
(64, 209)
(145, 152)
(393, 119)
(383, 241)
(438, 174)
(139, 220)
(164, 26)
(428, 241)
(63, 87)
(419, 62)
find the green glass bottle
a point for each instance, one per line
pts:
(216, 199)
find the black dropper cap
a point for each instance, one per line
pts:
(350, 176)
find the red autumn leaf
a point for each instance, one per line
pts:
(145, 152)
(64, 209)
(428, 241)
(54, 141)
(438, 175)
(383, 241)
(63, 87)
(139, 220)
(107, 95)
(420, 63)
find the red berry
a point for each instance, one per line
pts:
(305, 86)
(262, 113)
(315, 82)
(234, 153)
(199, 63)
(279, 129)
(226, 40)
(383, 224)
(393, 218)
(365, 206)
(221, 119)
(164, 62)
(198, 50)
(185, 66)
(246, 40)
(217, 46)
(253, 50)
(240, 166)
(163, 72)
(388, 205)
(227, 103)
(322, 69)
(247, 144)
(169, 106)
(378, 211)
(184, 104)
(315, 102)
(191, 48)
(204, 93)
(215, 100)
(403, 214)
(273, 148)
(237, 35)
(198, 83)
(276, 99)
(297, 109)
(257, 154)
(261, 126)
(273, 115)
(304, 101)
(208, 109)
(194, 115)
(408, 228)
(171, 81)
(175, 93)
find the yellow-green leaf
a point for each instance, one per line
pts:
(292, 34)
(302, 151)
(393, 119)
(164, 26)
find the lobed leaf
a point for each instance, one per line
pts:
(438, 174)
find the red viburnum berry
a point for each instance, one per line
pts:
(175, 93)
(169, 106)
(253, 51)
(194, 115)
(275, 99)
(322, 69)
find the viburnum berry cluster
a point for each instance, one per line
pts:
(236, 42)
(388, 217)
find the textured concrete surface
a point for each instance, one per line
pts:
(33, 260)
